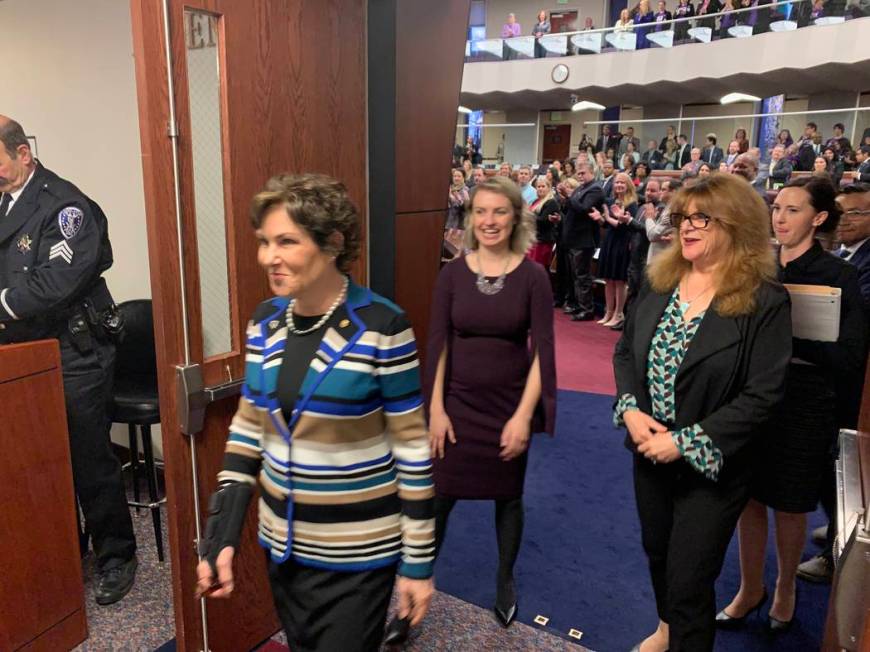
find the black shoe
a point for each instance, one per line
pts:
(724, 621)
(506, 616)
(568, 309)
(116, 582)
(775, 626)
(397, 631)
(582, 316)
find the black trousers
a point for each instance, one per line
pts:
(564, 279)
(87, 386)
(581, 274)
(322, 610)
(686, 524)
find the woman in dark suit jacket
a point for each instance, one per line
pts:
(684, 10)
(544, 207)
(699, 370)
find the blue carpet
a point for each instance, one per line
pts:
(581, 563)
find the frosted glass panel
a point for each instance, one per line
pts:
(204, 90)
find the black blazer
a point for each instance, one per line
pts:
(544, 228)
(686, 156)
(579, 231)
(733, 375)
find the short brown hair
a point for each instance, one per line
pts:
(748, 260)
(320, 205)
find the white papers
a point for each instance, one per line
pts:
(815, 312)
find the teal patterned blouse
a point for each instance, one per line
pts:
(666, 352)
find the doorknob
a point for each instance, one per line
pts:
(192, 397)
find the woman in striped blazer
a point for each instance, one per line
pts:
(330, 424)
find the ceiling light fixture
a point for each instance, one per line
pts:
(586, 105)
(732, 98)
(464, 109)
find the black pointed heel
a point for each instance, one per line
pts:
(397, 631)
(777, 626)
(724, 621)
(506, 616)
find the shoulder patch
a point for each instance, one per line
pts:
(70, 220)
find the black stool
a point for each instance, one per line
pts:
(136, 402)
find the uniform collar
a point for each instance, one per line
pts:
(17, 193)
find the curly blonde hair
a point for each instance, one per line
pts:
(523, 234)
(320, 205)
(747, 259)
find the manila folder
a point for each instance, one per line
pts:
(815, 312)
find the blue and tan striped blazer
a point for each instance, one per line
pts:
(346, 485)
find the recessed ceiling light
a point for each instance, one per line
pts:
(731, 98)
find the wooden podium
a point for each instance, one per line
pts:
(41, 591)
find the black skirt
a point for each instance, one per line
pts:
(322, 610)
(797, 448)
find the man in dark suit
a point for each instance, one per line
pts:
(779, 169)
(607, 140)
(862, 158)
(580, 235)
(653, 156)
(627, 138)
(733, 153)
(808, 149)
(838, 141)
(684, 151)
(712, 155)
(606, 183)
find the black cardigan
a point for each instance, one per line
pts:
(733, 375)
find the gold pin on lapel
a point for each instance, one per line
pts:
(344, 323)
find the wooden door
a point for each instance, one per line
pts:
(258, 87)
(563, 21)
(557, 143)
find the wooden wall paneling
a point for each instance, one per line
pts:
(417, 267)
(41, 592)
(430, 55)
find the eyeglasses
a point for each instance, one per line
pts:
(856, 213)
(696, 220)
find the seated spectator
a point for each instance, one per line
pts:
(456, 198)
(659, 230)
(690, 169)
(568, 170)
(670, 135)
(712, 154)
(662, 14)
(704, 170)
(784, 138)
(834, 165)
(684, 9)
(733, 152)
(778, 170)
(723, 167)
(746, 166)
(541, 28)
(653, 157)
(545, 207)
(478, 175)
(505, 169)
(862, 159)
(625, 23)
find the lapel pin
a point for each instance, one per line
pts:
(344, 323)
(24, 243)
(273, 323)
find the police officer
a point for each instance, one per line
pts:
(54, 246)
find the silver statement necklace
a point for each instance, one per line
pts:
(291, 327)
(484, 286)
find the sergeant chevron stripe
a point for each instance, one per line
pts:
(61, 250)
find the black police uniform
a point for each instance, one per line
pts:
(54, 246)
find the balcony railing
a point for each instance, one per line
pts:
(745, 22)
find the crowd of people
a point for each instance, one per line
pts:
(643, 19)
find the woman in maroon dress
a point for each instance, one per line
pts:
(491, 378)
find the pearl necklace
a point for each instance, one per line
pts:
(291, 327)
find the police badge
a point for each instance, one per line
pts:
(24, 243)
(70, 221)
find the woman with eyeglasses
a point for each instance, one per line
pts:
(699, 371)
(796, 452)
